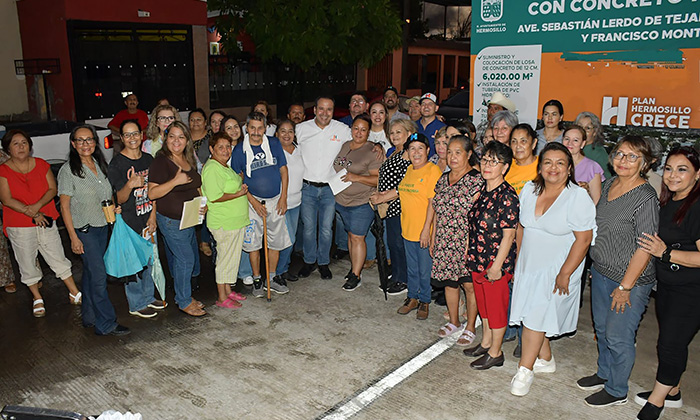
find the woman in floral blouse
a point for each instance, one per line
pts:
(455, 193)
(491, 257)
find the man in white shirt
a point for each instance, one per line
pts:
(319, 141)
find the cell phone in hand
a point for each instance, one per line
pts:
(49, 221)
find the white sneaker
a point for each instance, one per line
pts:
(520, 384)
(544, 366)
(248, 280)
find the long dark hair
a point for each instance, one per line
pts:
(76, 165)
(386, 117)
(188, 152)
(666, 195)
(554, 146)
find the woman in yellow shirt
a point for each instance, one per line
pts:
(523, 142)
(416, 192)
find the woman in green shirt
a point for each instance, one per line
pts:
(227, 216)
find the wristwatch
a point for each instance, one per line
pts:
(621, 288)
(666, 256)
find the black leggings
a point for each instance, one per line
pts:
(678, 313)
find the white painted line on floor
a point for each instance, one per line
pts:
(369, 395)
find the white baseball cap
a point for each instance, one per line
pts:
(430, 96)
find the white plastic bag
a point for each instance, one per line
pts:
(115, 415)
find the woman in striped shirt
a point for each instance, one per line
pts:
(622, 272)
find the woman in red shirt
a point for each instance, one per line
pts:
(27, 190)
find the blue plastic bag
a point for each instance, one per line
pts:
(128, 252)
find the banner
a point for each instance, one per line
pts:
(631, 62)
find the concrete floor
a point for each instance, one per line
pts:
(302, 356)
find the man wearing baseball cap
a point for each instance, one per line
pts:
(428, 124)
(498, 102)
(391, 100)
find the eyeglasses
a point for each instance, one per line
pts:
(357, 101)
(164, 118)
(490, 162)
(197, 120)
(132, 135)
(630, 157)
(87, 140)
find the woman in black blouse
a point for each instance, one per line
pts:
(391, 173)
(493, 219)
(677, 249)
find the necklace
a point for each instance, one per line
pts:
(24, 173)
(20, 170)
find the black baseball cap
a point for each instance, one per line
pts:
(391, 88)
(421, 138)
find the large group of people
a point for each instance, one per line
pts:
(505, 218)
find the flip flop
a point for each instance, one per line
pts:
(229, 303)
(465, 339)
(11, 288)
(236, 296)
(40, 311)
(193, 309)
(447, 330)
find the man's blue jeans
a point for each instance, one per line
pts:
(317, 213)
(292, 219)
(616, 331)
(96, 309)
(419, 264)
(139, 293)
(183, 257)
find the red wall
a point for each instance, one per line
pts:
(184, 12)
(43, 31)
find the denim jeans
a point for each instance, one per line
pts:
(341, 236)
(292, 219)
(183, 257)
(395, 243)
(244, 268)
(341, 239)
(139, 293)
(96, 309)
(512, 330)
(616, 331)
(418, 264)
(317, 213)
